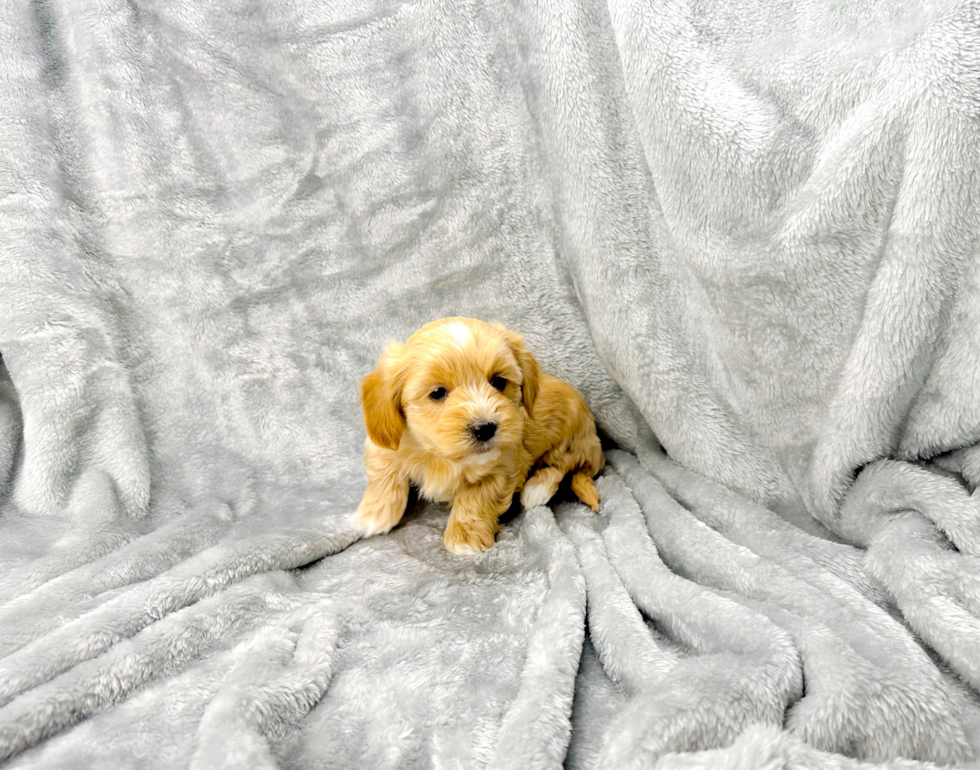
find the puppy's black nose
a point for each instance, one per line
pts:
(484, 431)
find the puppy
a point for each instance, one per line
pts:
(462, 411)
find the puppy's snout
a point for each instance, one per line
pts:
(484, 431)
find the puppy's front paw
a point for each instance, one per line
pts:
(468, 539)
(376, 516)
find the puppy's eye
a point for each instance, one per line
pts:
(498, 382)
(438, 394)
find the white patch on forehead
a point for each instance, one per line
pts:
(460, 333)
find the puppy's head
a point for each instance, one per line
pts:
(457, 385)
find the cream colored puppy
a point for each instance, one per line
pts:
(462, 411)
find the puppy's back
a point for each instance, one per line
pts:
(561, 431)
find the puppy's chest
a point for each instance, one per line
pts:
(442, 480)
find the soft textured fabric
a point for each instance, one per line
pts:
(747, 232)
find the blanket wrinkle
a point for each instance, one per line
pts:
(749, 235)
(715, 693)
(763, 747)
(137, 607)
(630, 654)
(888, 487)
(937, 591)
(10, 427)
(48, 603)
(262, 699)
(535, 731)
(91, 685)
(748, 523)
(864, 716)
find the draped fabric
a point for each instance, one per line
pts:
(747, 233)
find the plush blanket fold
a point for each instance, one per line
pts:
(748, 234)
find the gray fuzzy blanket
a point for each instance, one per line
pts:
(749, 233)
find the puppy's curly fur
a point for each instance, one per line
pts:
(462, 411)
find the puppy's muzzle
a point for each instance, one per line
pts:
(484, 431)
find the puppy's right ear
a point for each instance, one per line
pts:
(381, 399)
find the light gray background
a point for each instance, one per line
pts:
(753, 230)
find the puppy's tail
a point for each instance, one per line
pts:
(584, 489)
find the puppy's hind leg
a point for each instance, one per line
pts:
(541, 487)
(584, 488)
(588, 461)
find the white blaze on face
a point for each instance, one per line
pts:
(482, 410)
(460, 333)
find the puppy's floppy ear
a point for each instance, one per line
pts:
(381, 392)
(527, 363)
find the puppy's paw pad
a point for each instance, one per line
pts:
(535, 494)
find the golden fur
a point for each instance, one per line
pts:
(422, 405)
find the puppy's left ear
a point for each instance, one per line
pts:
(528, 364)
